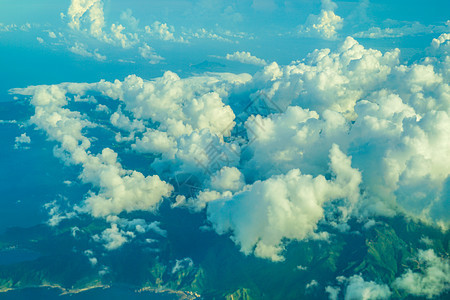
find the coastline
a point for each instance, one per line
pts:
(183, 295)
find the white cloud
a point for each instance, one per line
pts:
(14, 27)
(408, 29)
(87, 12)
(125, 40)
(324, 25)
(149, 53)
(81, 49)
(204, 33)
(118, 189)
(181, 264)
(359, 289)
(246, 58)
(88, 16)
(40, 40)
(227, 179)
(163, 31)
(432, 278)
(21, 140)
(121, 121)
(328, 80)
(282, 207)
(52, 35)
(113, 238)
(392, 119)
(333, 292)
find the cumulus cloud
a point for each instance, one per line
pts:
(88, 16)
(282, 207)
(246, 58)
(22, 140)
(391, 118)
(328, 80)
(409, 110)
(87, 13)
(324, 25)
(333, 292)
(358, 288)
(118, 189)
(114, 237)
(431, 279)
(163, 31)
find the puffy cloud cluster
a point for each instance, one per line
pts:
(324, 25)
(88, 16)
(328, 80)
(87, 12)
(392, 119)
(283, 207)
(432, 278)
(118, 189)
(246, 58)
(163, 31)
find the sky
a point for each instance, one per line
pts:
(283, 114)
(47, 34)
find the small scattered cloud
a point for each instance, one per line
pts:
(149, 53)
(21, 141)
(324, 25)
(409, 29)
(246, 58)
(81, 49)
(163, 32)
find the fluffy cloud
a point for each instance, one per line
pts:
(87, 16)
(324, 25)
(328, 80)
(432, 278)
(21, 140)
(114, 237)
(87, 12)
(358, 288)
(162, 31)
(246, 58)
(118, 189)
(391, 118)
(283, 207)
